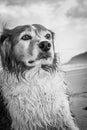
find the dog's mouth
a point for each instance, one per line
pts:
(31, 61)
(44, 61)
(42, 57)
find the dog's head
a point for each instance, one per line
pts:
(27, 46)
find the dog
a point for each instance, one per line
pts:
(33, 91)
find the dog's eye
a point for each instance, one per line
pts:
(26, 37)
(48, 36)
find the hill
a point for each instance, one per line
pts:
(76, 63)
(79, 59)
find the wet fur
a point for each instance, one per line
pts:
(36, 97)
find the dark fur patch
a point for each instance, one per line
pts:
(52, 67)
(5, 119)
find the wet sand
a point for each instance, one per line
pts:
(77, 82)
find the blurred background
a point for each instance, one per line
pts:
(68, 20)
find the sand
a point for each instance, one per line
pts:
(77, 82)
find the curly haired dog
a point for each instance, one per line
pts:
(32, 87)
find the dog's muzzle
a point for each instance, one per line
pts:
(45, 46)
(44, 55)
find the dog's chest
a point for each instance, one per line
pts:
(39, 93)
(36, 99)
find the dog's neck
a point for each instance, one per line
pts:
(27, 74)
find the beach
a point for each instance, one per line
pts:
(77, 83)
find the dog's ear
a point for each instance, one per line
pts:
(53, 35)
(5, 46)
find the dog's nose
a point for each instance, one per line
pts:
(45, 46)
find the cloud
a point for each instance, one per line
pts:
(26, 15)
(24, 2)
(52, 16)
(79, 11)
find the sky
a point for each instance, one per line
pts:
(66, 18)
